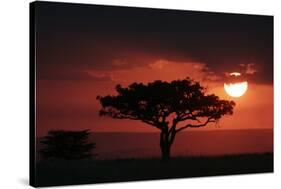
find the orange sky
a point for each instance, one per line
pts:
(72, 104)
(84, 51)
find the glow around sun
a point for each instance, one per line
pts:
(236, 89)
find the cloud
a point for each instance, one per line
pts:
(159, 70)
(67, 74)
(119, 62)
(158, 65)
(124, 39)
(249, 68)
(248, 72)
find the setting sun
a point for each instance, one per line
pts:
(236, 89)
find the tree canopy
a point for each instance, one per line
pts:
(69, 145)
(164, 104)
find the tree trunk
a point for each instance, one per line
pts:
(166, 141)
(165, 152)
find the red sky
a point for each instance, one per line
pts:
(84, 51)
(72, 104)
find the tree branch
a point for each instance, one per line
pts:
(209, 120)
(140, 119)
(189, 116)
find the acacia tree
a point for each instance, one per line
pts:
(70, 145)
(170, 107)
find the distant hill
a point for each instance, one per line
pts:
(189, 143)
(121, 145)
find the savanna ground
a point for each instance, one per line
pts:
(63, 172)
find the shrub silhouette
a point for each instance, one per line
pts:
(164, 105)
(70, 145)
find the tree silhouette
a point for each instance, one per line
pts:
(68, 145)
(168, 106)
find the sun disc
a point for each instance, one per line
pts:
(236, 89)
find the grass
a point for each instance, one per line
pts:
(62, 172)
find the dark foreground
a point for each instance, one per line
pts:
(51, 173)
